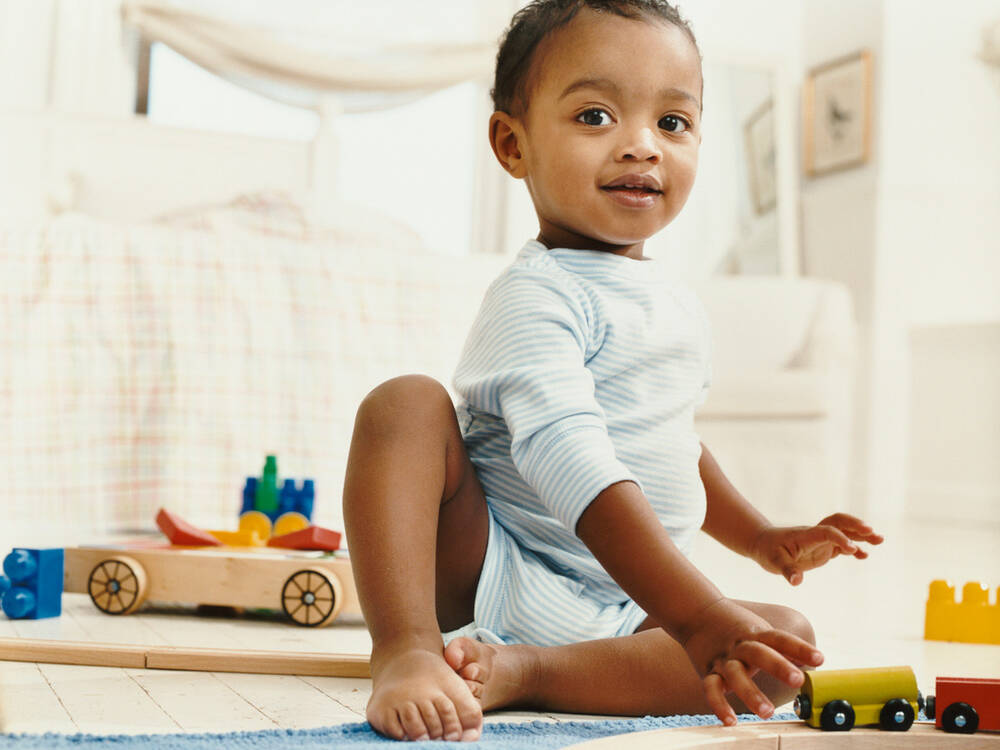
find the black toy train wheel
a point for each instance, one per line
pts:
(929, 705)
(802, 706)
(837, 716)
(896, 716)
(960, 718)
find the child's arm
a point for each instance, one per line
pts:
(790, 551)
(729, 518)
(727, 643)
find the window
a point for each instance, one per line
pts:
(415, 162)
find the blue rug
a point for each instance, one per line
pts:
(505, 736)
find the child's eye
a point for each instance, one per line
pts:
(595, 117)
(673, 124)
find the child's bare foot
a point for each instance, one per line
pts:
(499, 676)
(417, 696)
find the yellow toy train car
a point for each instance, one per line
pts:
(837, 699)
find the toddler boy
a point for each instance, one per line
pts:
(545, 526)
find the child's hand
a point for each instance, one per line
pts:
(793, 550)
(729, 644)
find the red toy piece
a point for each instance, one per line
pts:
(965, 704)
(312, 538)
(181, 533)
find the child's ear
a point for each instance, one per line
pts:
(504, 133)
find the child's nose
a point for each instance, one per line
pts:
(640, 145)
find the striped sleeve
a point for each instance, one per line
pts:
(525, 361)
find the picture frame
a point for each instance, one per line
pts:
(761, 157)
(837, 114)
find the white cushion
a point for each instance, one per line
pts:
(764, 324)
(798, 394)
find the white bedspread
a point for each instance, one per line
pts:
(152, 366)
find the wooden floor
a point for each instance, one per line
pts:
(865, 614)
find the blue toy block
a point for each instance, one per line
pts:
(261, 494)
(249, 495)
(306, 498)
(288, 501)
(297, 500)
(32, 586)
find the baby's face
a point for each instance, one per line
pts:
(610, 138)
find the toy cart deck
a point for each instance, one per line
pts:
(311, 588)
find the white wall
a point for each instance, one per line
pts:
(916, 235)
(941, 175)
(939, 238)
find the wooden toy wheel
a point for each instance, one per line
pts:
(117, 586)
(312, 597)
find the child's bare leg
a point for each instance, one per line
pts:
(647, 673)
(417, 528)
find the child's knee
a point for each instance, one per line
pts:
(787, 619)
(406, 398)
(799, 624)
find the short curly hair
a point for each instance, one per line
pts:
(538, 19)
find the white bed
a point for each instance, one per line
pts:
(178, 304)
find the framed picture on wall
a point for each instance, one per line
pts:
(837, 107)
(758, 135)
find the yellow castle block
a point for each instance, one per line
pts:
(972, 620)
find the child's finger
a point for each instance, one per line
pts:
(715, 694)
(739, 683)
(853, 527)
(828, 534)
(793, 575)
(758, 656)
(791, 647)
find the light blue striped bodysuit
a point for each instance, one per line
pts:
(582, 369)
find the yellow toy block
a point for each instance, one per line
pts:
(242, 538)
(290, 522)
(973, 620)
(254, 520)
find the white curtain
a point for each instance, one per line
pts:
(66, 56)
(368, 55)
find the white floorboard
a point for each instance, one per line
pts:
(865, 614)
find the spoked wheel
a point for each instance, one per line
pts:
(117, 586)
(312, 597)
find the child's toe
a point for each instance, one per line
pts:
(470, 712)
(412, 721)
(431, 718)
(451, 725)
(458, 653)
(386, 722)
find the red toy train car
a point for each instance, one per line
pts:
(966, 704)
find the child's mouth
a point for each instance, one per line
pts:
(633, 196)
(632, 189)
